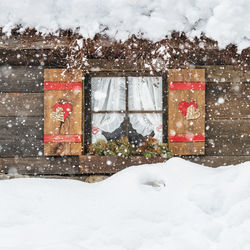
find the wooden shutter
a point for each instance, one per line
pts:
(186, 111)
(62, 112)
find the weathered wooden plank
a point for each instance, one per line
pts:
(232, 74)
(98, 65)
(104, 164)
(32, 42)
(21, 126)
(21, 79)
(227, 100)
(224, 128)
(214, 73)
(21, 136)
(26, 147)
(21, 104)
(33, 57)
(70, 165)
(217, 161)
(90, 164)
(228, 137)
(41, 165)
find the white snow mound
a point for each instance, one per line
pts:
(176, 205)
(227, 21)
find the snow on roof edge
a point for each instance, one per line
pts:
(225, 21)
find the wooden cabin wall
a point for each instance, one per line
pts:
(21, 120)
(227, 116)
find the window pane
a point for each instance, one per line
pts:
(143, 125)
(108, 93)
(145, 93)
(108, 126)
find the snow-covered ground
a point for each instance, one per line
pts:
(227, 21)
(169, 206)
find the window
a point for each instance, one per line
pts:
(126, 106)
(119, 104)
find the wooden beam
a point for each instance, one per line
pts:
(30, 78)
(32, 42)
(214, 73)
(75, 166)
(32, 57)
(111, 164)
(217, 161)
(41, 165)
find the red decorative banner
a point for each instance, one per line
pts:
(187, 85)
(62, 138)
(187, 138)
(62, 86)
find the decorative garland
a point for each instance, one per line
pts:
(123, 148)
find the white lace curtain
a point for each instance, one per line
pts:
(145, 93)
(109, 93)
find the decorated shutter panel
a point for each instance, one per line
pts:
(62, 111)
(186, 111)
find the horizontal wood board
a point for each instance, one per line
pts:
(41, 165)
(21, 79)
(90, 164)
(217, 161)
(75, 165)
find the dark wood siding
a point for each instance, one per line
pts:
(21, 121)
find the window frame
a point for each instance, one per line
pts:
(87, 104)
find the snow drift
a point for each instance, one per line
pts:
(227, 21)
(175, 205)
